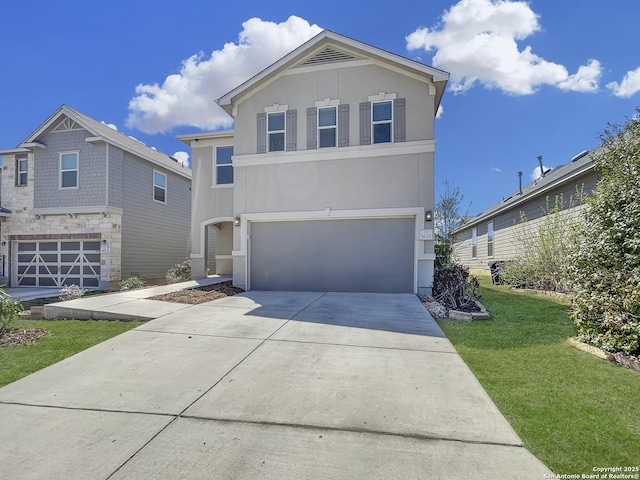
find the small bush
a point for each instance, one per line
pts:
(9, 310)
(455, 288)
(181, 272)
(71, 292)
(131, 283)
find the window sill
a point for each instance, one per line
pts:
(223, 185)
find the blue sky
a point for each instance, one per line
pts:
(528, 78)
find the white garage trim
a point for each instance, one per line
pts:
(416, 212)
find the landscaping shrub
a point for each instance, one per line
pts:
(71, 292)
(605, 259)
(542, 247)
(132, 283)
(181, 272)
(455, 288)
(9, 310)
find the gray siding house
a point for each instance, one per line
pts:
(492, 235)
(84, 204)
(326, 179)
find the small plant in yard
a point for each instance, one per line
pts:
(131, 283)
(455, 288)
(181, 272)
(71, 292)
(9, 310)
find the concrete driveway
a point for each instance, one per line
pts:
(268, 385)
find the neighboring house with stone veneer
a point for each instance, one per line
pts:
(84, 204)
(326, 179)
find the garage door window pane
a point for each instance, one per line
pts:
(26, 247)
(47, 282)
(95, 246)
(70, 246)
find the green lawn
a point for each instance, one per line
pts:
(69, 337)
(573, 411)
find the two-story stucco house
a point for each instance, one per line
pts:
(326, 181)
(84, 204)
(492, 236)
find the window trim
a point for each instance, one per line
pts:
(490, 239)
(474, 243)
(215, 166)
(166, 184)
(19, 172)
(334, 126)
(77, 170)
(379, 122)
(283, 131)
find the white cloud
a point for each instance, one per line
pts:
(182, 157)
(496, 169)
(440, 111)
(188, 97)
(536, 174)
(110, 125)
(629, 86)
(477, 42)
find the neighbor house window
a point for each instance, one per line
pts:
(69, 170)
(327, 126)
(382, 121)
(159, 187)
(224, 169)
(276, 131)
(474, 243)
(490, 239)
(21, 174)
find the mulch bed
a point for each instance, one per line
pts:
(14, 337)
(198, 295)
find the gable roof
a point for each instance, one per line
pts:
(104, 133)
(331, 47)
(579, 165)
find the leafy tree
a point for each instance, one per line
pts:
(447, 220)
(605, 259)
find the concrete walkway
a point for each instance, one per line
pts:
(270, 385)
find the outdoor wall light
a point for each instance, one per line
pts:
(428, 216)
(236, 222)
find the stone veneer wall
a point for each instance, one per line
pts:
(25, 225)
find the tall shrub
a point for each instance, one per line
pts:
(9, 311)
(542, 246)
(605, 261)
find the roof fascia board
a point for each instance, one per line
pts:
(10, 151)
(481, 219)
(318, 41)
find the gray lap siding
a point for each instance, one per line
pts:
(155, 236)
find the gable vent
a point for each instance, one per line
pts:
(328, 55)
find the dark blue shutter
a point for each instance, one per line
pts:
(365, 123)
(261, 129)
(343, 125)
(312, 128)
(399, 120)
(292, 130)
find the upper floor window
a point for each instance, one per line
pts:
(490, 239)
(224, 169)
(21, 172)
(159, 187)
(69, 170)
(382, 121)
(327, 126)
(276, 131)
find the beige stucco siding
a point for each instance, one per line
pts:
(350, 85)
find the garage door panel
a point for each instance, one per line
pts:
(58, 263)
(359, 255)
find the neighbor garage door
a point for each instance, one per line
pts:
(361, 255)
(50, 263)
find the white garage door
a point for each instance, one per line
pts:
(354, 255)
(52, 263)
